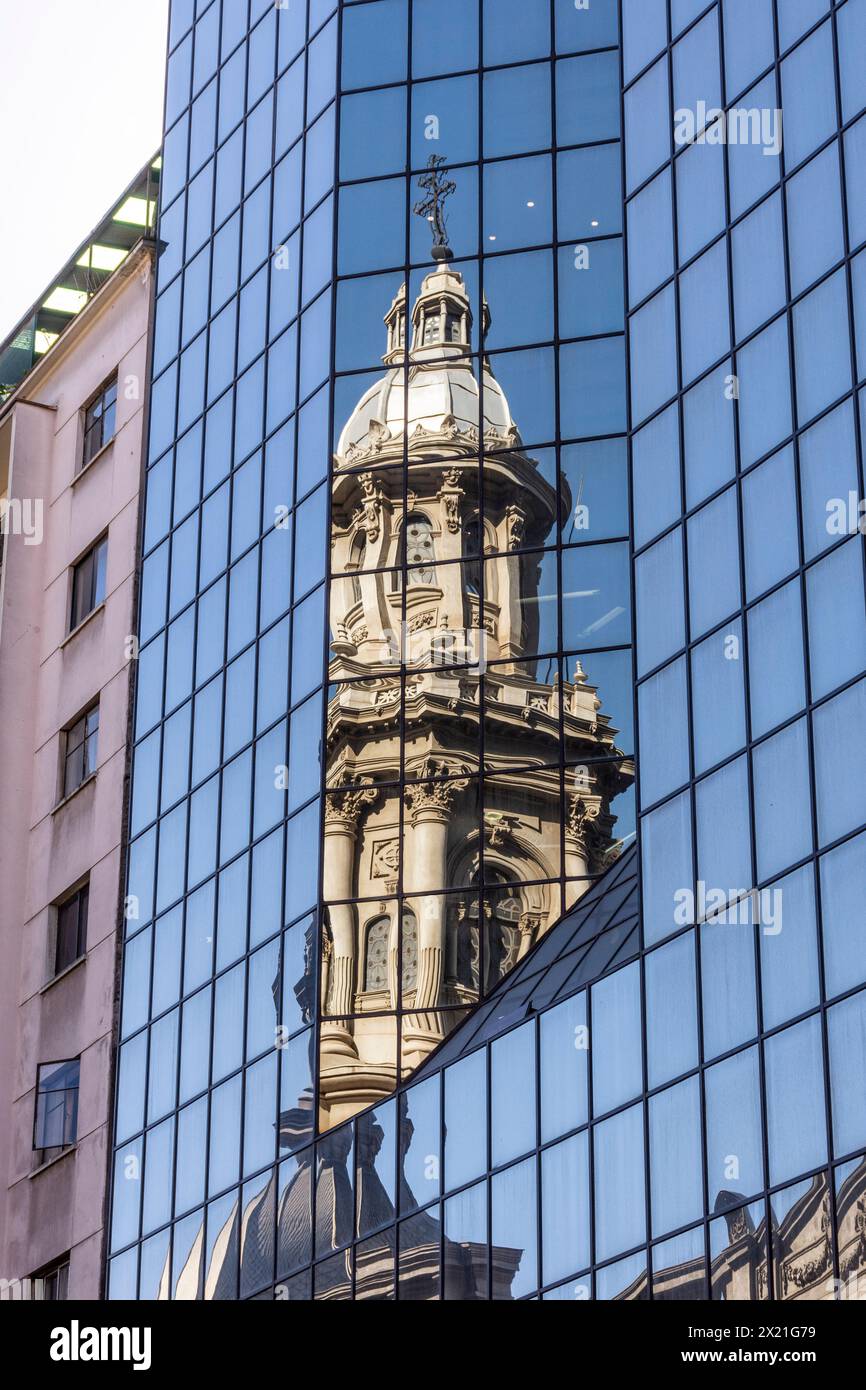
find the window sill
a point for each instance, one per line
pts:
(91, 777)
(49, 1163)
(90, 462)
(55, 979)
(84, 621)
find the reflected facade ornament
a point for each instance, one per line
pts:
(446, 736)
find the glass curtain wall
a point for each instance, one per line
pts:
(479, 763)
(218, 995)
(744, 133)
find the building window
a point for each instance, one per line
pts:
(99, 421)
(79, 760)
(71, 929)
(420, 552)
(88, 583)
(52, 1285)
(56, 1126)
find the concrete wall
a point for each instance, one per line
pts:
(46, 679)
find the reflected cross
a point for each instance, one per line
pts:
(437, 189)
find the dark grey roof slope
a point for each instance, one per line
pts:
(600, 932)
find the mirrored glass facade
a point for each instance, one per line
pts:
(505, 381)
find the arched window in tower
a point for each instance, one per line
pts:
(378, 945)
(491, 952)
(472, 557)
(376, 955)
(357, 556)
(410, 950)
(420, 555)
(431, 329)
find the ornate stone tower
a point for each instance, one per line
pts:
(449, 827)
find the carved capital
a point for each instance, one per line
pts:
(345, 804)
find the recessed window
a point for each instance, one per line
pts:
(88, 583)
(56, 1126)
(81, 748)
(71, 929)
(52, 1285)
(99, 421)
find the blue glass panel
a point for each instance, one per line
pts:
(714, 571)
(754, 165)
(660, 602)
(735, 1164)
(512, 1098)
(772, 551)
(647, 125)
(664, 742)
(846, 1026)
(697, 71)
(749, 41)
(700, 197)
(444, 36)
(852, 40)
(466, 1120)
(565, 1208)
(645, 33)
(843, 873)
(808, 96)
(724, 851)
(835, 601)
(620, 1190)
(587, 99)
(653, 354)
(765, 392)
(656, 476)
(705, 331)
(840, 764)
(718, 703)
(666, 856)
(789, 948)
(783, 826)
(374, 49)
(759, 267)
(564, 1081)
(708, 423)
(650, 225)
(514, 1222)
(671, 1004)
(517, 111)
(796, 1120)
(815, 238)
(676, 1188)
(821, 346)
(776, 671)
(616, 1039)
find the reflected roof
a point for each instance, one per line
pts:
(132, 217)
(600, 932)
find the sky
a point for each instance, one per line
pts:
(81, 93)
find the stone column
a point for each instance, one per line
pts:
(430, 809)
(578, 828)
(343, 808)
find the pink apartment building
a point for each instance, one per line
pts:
(72, 431)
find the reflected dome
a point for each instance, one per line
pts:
(441, 397)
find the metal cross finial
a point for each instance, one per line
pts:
(432, 207)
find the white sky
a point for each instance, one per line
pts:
(81, 92)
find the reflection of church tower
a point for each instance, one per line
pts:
(434, 622)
